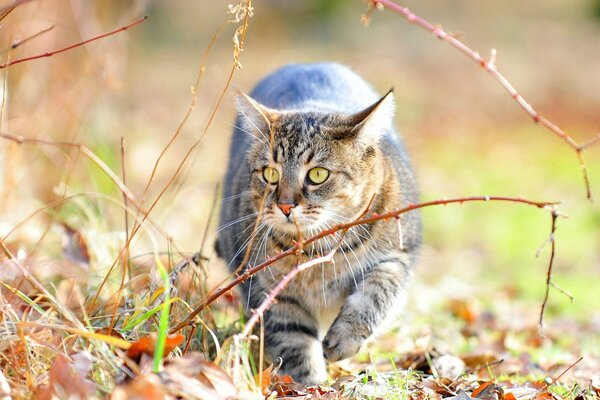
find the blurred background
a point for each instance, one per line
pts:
(465, 134)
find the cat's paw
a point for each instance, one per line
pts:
(342, 341)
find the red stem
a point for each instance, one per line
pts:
(218, 292)
(70, 47)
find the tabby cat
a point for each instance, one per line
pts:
(315, 146)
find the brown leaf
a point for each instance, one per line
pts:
(193, 370)
(108, 331)
(488, 391)
(65, 382)
(263, 379)
(464, 310)
(143, 387)
(509, 396)
(147, 345)
(74, 245)
(439, 386)
(475, 361)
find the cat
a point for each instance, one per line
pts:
(315, 146)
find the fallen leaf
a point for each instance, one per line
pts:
(448, 365)
(65, 382)
(143, 387)
(464, 310)
(489, 391)
(75, 246)
(263, 379)
(147, 345)
(475, 361)
(439, 386)
(461, 395)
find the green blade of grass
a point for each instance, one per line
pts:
(133, 322)
(24, 297)
(163, 327)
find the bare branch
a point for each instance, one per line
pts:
(250, 271)
(75, 45)
(491, 68)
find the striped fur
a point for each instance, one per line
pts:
(300, 117)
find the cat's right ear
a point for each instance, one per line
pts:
(254, 116)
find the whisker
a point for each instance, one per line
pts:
(236, 221)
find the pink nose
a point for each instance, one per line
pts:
(286, 208)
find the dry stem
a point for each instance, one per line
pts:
(549, 271)
(70, 47)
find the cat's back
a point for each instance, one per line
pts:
(328, 87)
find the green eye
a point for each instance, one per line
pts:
(271, 175)
(318, 175)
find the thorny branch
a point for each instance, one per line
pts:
(250, 271)
(70, 47)
(492, 69)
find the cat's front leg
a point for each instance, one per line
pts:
(379, 297)
(291, 338)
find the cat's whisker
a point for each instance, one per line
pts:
(256, 127)
(249, 240)
(248, 132)
(235, 196)
(341, 250)
(236, 221)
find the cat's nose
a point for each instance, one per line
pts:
(286, 208)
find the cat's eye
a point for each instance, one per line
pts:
(318, 175)
(271, 175)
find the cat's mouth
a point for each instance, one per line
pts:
(294, 222)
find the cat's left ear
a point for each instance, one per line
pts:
(254, 116)
(373, 121)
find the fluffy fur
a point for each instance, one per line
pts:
(298, 118)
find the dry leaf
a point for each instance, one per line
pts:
(74, 246)
(263, 379)
(488, 391)
(65, 382)
(147, 345)
(193, 377)
(143, 387)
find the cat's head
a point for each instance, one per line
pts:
(311, 169)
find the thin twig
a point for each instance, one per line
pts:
(259, 312)
(188, 153)
(219, 291)
(560, 376)
(75, 45)
(491, 68)
(18, 43)
(549, 271)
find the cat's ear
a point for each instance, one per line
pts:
(373, 121)
(254, 116)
